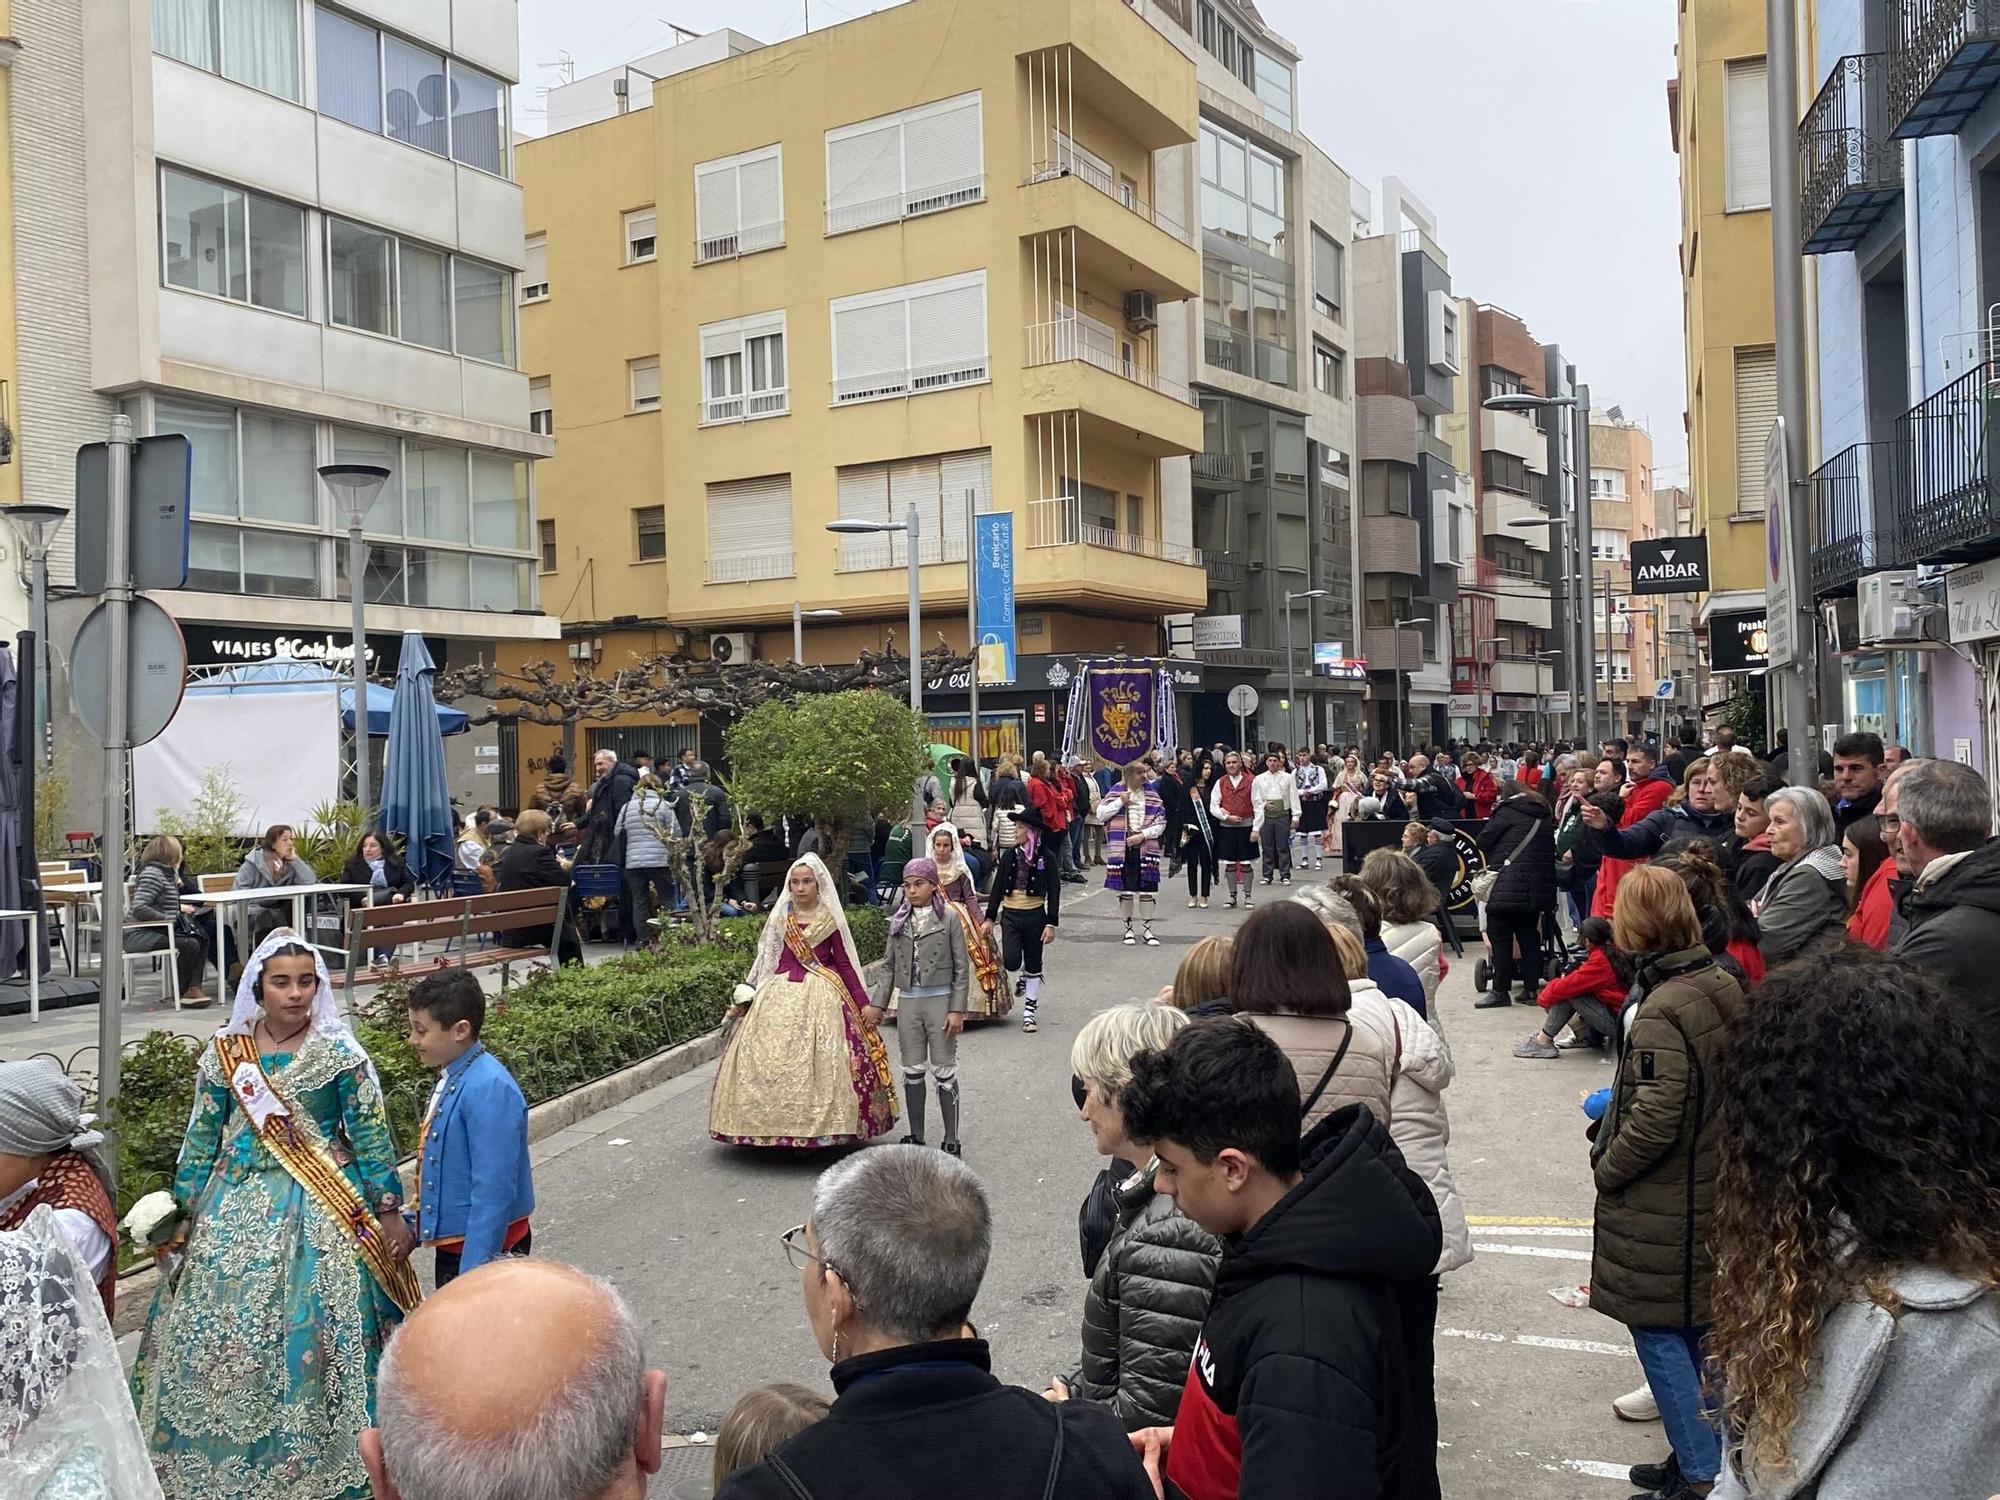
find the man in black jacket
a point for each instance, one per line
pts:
(1949, 901)
(1313, 1372)
(608, 796)
(1857, 777)
(1437, 795)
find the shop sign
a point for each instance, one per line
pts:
(1462, 706)
(999, 734)
(1555, 703)
(231, 645)
(1670, 565)
(1972, 597)
(1218, 632)
(1738, 641)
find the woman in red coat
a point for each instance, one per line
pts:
(1479, 783)
(1866, 860)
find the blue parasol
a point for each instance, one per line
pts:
(416, 798)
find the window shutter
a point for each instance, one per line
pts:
(535, 277)
(750, 529)
(1756, 412)
(948, 336)
(942, 157)
(761, 189)
(870, 350)
(642, 229)
(1749, 169)
(864, 175)
(715, 213)
(645, 375)
(915, 482)
(864, 493)
(959, 472)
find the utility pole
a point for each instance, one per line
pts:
(117, 749)
(1586, 568)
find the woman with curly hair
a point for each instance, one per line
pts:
(1857, 1240)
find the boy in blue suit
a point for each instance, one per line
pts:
(474, 1188)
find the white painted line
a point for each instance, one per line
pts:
(1598, 1469)
(1548, 1252)
(1559, 1231)
(1536, 1341)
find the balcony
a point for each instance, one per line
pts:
(917, 380)
(1850, 173)
(1059, 522)
(1216, 471)
(745, 406)
(750, 568)
(1234, 350)
(1223, 572)
(1392, 544)
(1948, 511)
(748, 240)
(1854, 514)
(1518, 675)
(865, 554)
(933, 199)
(1119, 239)
(1072, 366)
(1387, 649)
(1944, 59)
(1067, 556)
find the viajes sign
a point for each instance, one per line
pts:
(1670, 565)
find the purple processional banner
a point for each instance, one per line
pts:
(1123, 712)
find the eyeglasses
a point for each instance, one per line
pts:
(799, 1255)
(1078, 1090)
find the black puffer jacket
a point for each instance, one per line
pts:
(1528, 883)
(1953, 930)
(1145, 1307)
(1665, 830)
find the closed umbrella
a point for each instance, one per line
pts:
(416, 798)
(14, 956)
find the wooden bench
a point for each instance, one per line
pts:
(452, 918)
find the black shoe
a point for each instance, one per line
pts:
(912, 1140)
(1676, 1488)
(1656, 1477)
(1530, 996)
(1020, 988)
(1075, 877)
(1492, 1000)
(951, 1149)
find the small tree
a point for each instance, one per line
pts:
(207, 830)
(1744, 713)
(837, 758)
(51, 807)
(329, 837)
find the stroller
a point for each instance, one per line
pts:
(1559, 953)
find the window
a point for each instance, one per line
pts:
(907, 340)
(478, 119)
(1756, 411)
(937, 486)
(1499, 382)
(251, 41)
(435, 505)
(1243, 190)
(380, 83)
(1444, 332)
(1389, 598)
(499, 502)
(743, 369)
(917, 161)
(1747, 181)
(541, 407)
(423, 297)
(360, 278)
(644, 377)
(349, 66)
(642, 230)
(739, 204)
(545, 537)
(750, 529)
(1274, 88)
(1385, 490)
(229, 243)
(1329, 371)
(416, 96)
(1503, 471)
(483, 299)
(1221, 40)
(403, 290)
(1329, 273)
(1288, 453)
(535, 276)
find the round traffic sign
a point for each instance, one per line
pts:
(1243, 700)
(153, 685)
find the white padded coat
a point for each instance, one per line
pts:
(1418, 1123)
(1418, 944)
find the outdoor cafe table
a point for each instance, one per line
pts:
(80, 894)
(235, 906)
(34, 957)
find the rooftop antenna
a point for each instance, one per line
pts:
(681, 33)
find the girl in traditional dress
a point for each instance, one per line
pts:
(805, 1067)
(1133, 820)
(955, 883)
(256, 1374)
(1350, 785)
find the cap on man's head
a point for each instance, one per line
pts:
(1443, 826)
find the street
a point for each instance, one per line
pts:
(689, 1230)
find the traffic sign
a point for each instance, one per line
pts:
(1243, 700)
(153, 686)
(1665, 690)
(158, 532)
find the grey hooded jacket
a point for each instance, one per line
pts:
(1900, 1404)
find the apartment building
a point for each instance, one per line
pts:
(289, 231)
(1717, 113)
(1630, 631)
(791, 288)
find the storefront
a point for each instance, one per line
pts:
(1027, 714)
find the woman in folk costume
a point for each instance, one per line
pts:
(990, 997)
(805, 1067)
(1134, 820)
(1234, 809)
(1349, 786)
(256, 1374)
(49, 1157)
(1194, 843)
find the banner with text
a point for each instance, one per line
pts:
(993, 536)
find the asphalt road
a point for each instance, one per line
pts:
(689, 1230)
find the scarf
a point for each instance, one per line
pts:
(41, 1114)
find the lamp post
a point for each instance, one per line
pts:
(38, 525)
(1577, 631)
(1291, 679)
(1487, 640)
(912, 527)
(799, 618)
(355, 488)
(1402, 687)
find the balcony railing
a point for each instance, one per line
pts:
(1944, 59)
(1062, 162)
(1850, 172)
(776, 563)
(745, 241)
(1948, 510)
(1231, 349)
(930, 200)
(744, 406)
(1223, 572)
(862, 554)
(917, 380)
(1072, 338)
(1059, 522)
(1854, 514)
(1216, 470)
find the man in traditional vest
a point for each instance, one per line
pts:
(49, 1156)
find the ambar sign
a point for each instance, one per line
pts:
(1670, 565)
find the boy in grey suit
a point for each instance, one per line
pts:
(927, 965)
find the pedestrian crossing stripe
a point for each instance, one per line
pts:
(1509, 1222)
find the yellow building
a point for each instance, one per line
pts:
(1716, 103)
(1631, 642)
(806, 282)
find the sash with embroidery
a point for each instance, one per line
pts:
(270, 1115)
(878, 1055)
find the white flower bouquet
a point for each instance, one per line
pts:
(152, 1221)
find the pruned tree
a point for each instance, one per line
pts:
(837, 758)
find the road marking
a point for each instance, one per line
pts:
(1533, 1230)
(1595, 1468)
(1536, 1341)
(1489, 1219)
(1546, 1252)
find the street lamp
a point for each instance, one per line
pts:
(1291, 681)
(38, 525)
(1402, 709)
(1585, 642)
(354, 488)
(799, 618)
(912, 527)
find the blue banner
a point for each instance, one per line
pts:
(993, 651)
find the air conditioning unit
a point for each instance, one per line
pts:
(1142, 311)
(733, 645)
(1888, 609)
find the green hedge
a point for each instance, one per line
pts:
(556, 1030)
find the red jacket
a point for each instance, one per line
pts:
(1870, 922)
(1052, 801)
(1642, 797)
(1484, 790)
(1593, 977)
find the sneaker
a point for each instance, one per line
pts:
(1230, 903)
(1204, 903)
(1267, 880)
(1675, 1489)
(1191, 903)
(1028, 1021)
(1151, 941)
(1637, 1406)
(1529, 996)
(1075, 877)
(1129, 938)
(1534, 1047)
(1286, 878)
(1492, 1000)
(1656, 1476)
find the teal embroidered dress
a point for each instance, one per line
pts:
(256, 1373)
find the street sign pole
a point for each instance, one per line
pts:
(117, 731)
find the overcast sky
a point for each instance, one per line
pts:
(1535, 130)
